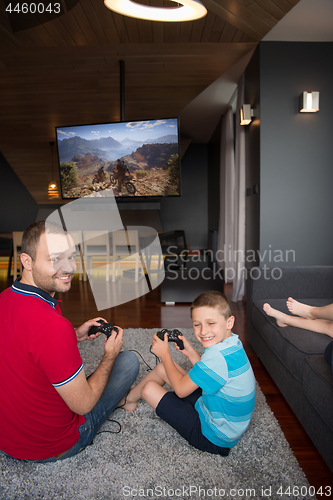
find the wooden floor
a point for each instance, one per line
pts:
(147, 312)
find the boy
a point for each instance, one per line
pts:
(213, 403)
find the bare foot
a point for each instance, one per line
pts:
(126, 403)
(278, 315)
(130, 406)
(299, 309)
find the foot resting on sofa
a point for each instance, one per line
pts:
(315, 319)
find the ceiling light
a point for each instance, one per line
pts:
(246, 114)
(309, 102)
(187, 10)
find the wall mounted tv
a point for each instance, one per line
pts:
(89, 157)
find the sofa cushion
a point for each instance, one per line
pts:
(329, 354)
(290, 344)
(318, 386)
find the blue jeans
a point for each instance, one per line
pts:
(124, 373)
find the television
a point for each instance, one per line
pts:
(134, 159)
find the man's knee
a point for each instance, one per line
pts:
(128, 361)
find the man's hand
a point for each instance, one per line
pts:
(82, 331)
(114, 343)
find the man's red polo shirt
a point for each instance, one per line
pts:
(38, 352)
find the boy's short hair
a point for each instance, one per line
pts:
(32, 234)
(215, 299)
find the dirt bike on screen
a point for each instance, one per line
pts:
(131, 189)
(100, 176)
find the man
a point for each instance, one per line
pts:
(49, 410)
(121, 171)
(101, 173)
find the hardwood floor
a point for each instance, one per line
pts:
(147, 312)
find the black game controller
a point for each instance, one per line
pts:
(172, 337)
(106, 328)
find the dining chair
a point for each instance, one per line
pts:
(124, 244)
(96, 243)
(17, 242)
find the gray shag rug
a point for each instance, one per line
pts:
(149, 460)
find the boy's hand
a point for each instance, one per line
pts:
(187, 346)
(160, 347)
(188, 350)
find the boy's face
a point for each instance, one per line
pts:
(210, 327)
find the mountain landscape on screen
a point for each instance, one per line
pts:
(89, 156)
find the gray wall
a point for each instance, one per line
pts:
(190, 211)
(18, 208)
(214, 161)
(252, 96)
(295, 156)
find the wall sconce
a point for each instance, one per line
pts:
(52, 190)
(309, 102)
(246, 114)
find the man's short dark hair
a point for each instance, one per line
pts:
(32, 234)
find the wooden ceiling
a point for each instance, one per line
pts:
(66, 71)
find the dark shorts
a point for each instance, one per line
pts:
(182, 416)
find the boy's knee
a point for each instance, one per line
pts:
(148, 389)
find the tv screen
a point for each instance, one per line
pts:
(137, 159)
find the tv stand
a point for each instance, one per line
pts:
(138, 205)
(142, 217)
(185, 283)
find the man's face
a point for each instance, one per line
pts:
(54, 266)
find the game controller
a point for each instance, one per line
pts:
(106, 328)
(172, 337)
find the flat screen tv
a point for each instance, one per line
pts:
(94, 158)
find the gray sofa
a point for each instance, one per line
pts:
(293, 357)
